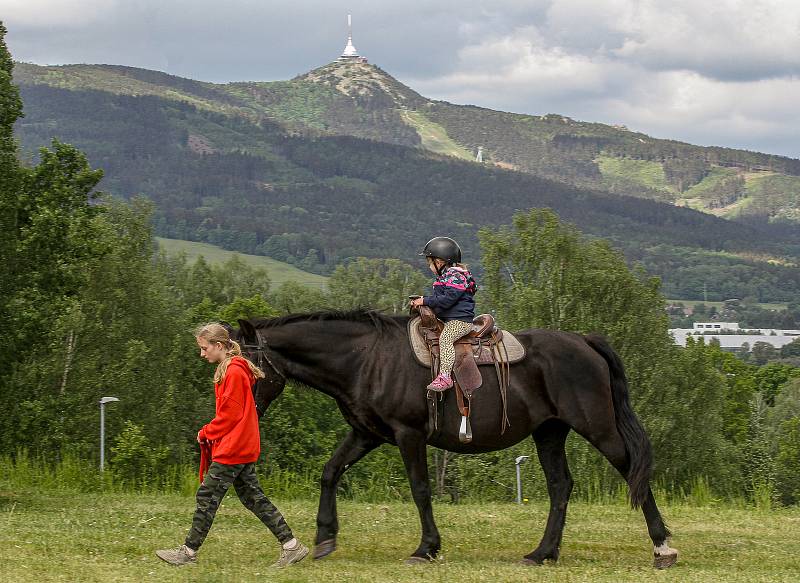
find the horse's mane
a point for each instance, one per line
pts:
(376, 318)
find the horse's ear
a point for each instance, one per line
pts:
(247, 330)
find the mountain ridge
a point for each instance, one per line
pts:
(359, 99)
(274, 168)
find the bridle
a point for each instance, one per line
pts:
(258, 353)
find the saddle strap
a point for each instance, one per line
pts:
(462, 406)
(433, 412)
(503, 371)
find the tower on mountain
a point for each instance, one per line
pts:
(350, 53)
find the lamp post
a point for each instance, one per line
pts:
(519, 461)
(103, 402)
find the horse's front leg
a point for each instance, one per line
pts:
(413, 449)
(352, 448)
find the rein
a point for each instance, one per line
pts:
(258, 353)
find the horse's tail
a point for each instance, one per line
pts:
(637, 444)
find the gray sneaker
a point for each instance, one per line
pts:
(179, 556)
(294, 555)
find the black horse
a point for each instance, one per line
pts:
(364, 361)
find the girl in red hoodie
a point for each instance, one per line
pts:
(235, 444)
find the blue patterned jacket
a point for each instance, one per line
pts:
(453, 296)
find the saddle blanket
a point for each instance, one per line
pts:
(513, 349)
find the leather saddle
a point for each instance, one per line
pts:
(483, 345)
(478, 342)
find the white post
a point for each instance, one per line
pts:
(103, 402)
(520, 460)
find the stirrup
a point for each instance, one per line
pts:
(465, 431)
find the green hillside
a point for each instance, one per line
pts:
(612, 158)
(271, 169)
(361, 100)
(279, 273)
(433, 137)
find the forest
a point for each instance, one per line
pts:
(91, 308)
(318, 201)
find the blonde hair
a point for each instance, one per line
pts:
(214, 332)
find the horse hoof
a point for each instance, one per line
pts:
(324, 548)
(665, 560)
(417, 561)
(530, 562)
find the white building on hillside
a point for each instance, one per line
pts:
(733, 338)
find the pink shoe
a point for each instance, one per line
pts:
(441, 383)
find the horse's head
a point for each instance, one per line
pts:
(254, 347)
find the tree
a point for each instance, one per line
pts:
(787, 461)
(542, 274)
(10, 102)
(10, 111)
(686, 413)
(55, 237)
(791, 349)
(383, 284)
(741, 386)
(234, 276)
(763, 352)
(55, 232)
(292, 297)
(245, 308)
(770, 378)
(783, 431)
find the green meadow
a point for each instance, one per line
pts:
(434, 137)
(113, 536)
(278, 271)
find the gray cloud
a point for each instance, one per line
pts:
(723, 73)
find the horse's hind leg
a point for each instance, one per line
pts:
(613, 448)
(352, 448)
(663, 555)
(550, 438)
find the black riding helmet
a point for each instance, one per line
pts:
(443, 248)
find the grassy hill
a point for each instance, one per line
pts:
(624, 162)
(346, 162)
(279, 272)
(361, 100)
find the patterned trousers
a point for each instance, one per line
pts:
(215, 485)
(453, 330)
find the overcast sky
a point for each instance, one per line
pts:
(709, 72)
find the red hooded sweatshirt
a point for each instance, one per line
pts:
(233, 432)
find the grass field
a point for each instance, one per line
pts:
(644, 172)
(112, 537)
(278, 271)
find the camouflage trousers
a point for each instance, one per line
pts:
(215, 485)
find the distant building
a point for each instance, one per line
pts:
(731, 337)
(350, 53)
(715, 326)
